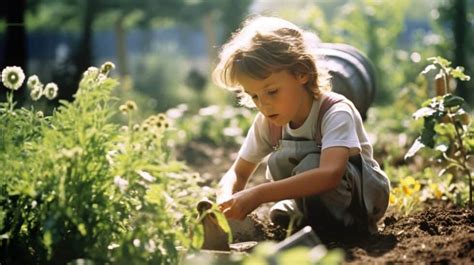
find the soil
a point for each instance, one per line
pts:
(440, 233)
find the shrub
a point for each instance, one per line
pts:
(77, 186)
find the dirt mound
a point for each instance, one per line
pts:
(439, 234)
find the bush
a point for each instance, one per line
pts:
(76, 186)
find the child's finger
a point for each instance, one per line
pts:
(226, 206)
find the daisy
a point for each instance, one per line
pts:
(13, 77)
(50, 90)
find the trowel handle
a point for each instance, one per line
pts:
(304, 237)
(204, 205)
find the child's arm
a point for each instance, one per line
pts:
(235, 179)
(315, 181)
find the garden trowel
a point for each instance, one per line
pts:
(215, 238)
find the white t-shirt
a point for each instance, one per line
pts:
(341, 126)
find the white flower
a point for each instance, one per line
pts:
(50, 90)
(110, 156)
(209, 111)
(34, 82)
(145, 175)
(113, 246)
(72, 153)
(136, 242)
(106, 67)
(150, 246)
(131, 105)
(91, 72)
(176, 113)
(36, 93)
(232, 131)
(121, 183)
(13, 77)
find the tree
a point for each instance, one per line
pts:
(81, 15)
(454, 16)
(15, 39)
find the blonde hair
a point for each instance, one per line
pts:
(264, 45)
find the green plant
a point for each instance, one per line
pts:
(447, 127)
(76, 186)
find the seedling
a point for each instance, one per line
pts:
(447, 125)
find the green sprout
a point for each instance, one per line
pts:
(447, 125)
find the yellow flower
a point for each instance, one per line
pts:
(123, 109)
(409, 185)
(131, 105)
(161, 117)
(392, 199)
(435, 189)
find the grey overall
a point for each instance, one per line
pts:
(360, 199)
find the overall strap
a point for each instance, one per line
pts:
(329, 100)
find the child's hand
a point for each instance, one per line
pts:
(240, 204)
(223, 196)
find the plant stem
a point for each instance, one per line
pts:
(463, 155)
(445, 84)
(10, 100)
(458, 136)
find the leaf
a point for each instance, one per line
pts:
(296, 255)
(440, 60)
(153, 194)
(222, 222)
(423, 112)
(440, 74)
(417, 145)
(428, 102)
(452, 101)
(82, 229)
(198, 236)
(446, 129)
(458, 72)
(428, 133)
(442, 147)
(428, 69)
(470, 162)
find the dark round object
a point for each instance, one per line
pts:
(353, 74)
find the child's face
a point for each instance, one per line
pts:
(281, 98)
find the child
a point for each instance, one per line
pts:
(322, 165)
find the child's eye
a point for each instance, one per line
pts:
(254, 97)
(273, 92)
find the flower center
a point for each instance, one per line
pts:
(13, 77)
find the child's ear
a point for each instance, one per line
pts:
(302, 78)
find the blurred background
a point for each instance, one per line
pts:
(164, 50)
